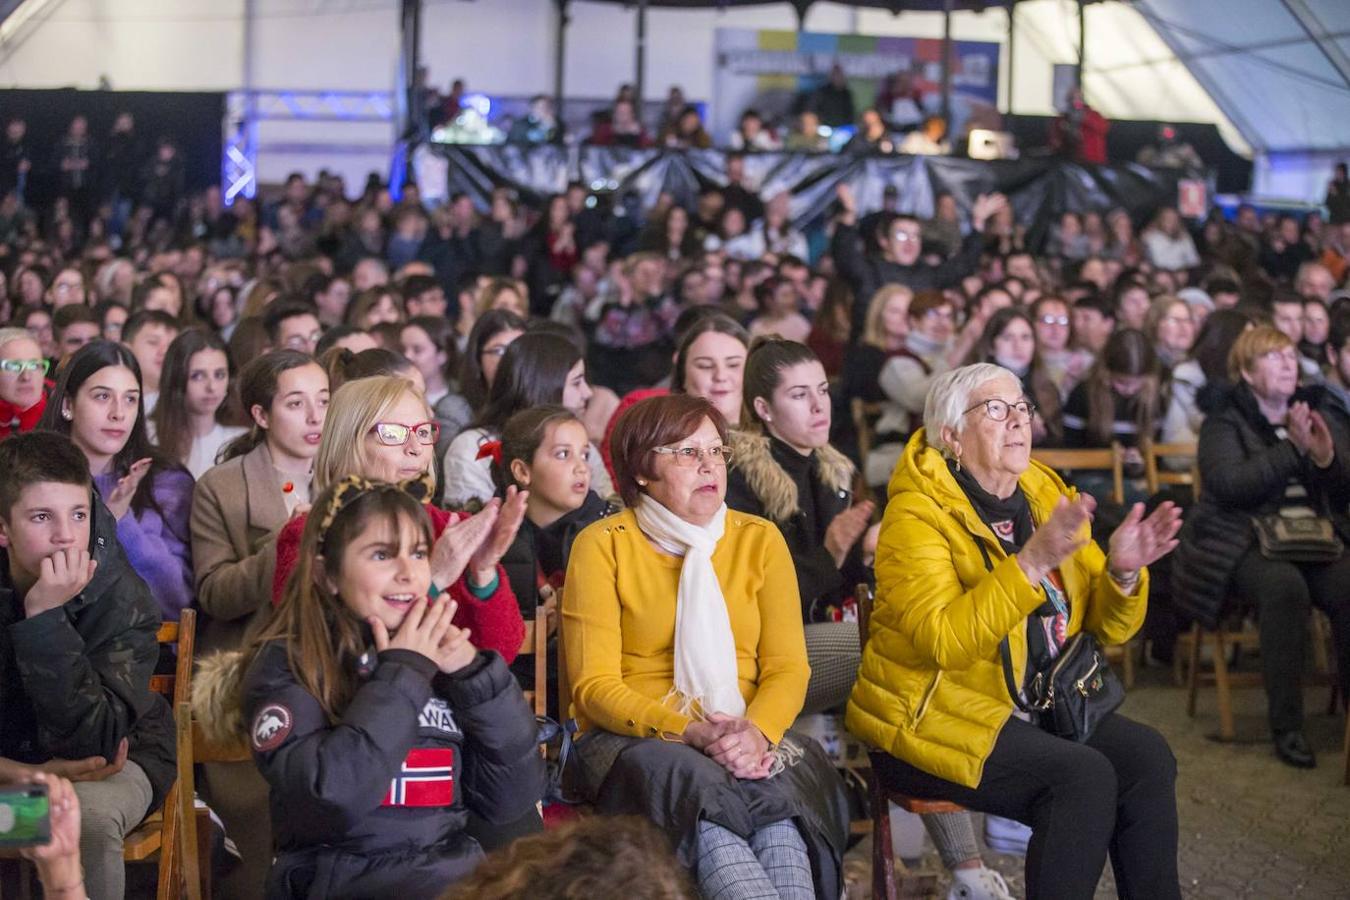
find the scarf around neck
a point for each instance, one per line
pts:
(706, 677)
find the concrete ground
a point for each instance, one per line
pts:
(1251, 827)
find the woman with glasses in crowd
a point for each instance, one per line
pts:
(23, 385)
(684, 648)
(1271, 448)
(984, 572)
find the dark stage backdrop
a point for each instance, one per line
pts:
(193, 120)
(1039, 189)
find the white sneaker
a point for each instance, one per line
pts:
(978, 884)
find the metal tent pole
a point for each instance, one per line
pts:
(947, 59)
(1082, 40)
(641, 61)
(560, 58)
(1012, 40)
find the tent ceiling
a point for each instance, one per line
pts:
(1270, 65)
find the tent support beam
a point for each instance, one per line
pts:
(1317, 33)
(1082, 42)
(1012, 41)
(641, 62)
(560, 58)
(947, 60)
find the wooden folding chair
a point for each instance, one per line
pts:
(1097, 460)
(865, 417)
(535, 645)
(162, 831)
(1157, 475)
(884, 883)
(193, 748)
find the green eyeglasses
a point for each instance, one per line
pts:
(19, 366)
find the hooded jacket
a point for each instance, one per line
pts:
(375, 803)
(75, 680)
(931, 689)
(760, 483)
(1244, 470)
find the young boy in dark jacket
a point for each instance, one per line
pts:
(77, 649)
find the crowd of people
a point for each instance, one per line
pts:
(901, 118)
(367, 441)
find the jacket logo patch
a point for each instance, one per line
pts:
(436, 714)
(270, 727)
(426, 778)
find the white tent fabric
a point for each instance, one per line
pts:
(1280, 71)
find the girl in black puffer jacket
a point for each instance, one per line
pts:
(377, 724)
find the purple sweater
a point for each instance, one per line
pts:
(158, 544)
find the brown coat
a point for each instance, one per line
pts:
(237, 511)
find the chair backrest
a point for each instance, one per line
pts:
(181, 636)
(1084, 460)
(865, 597)
(1157, 475)
(535, 644)
(865, 415)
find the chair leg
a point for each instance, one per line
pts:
(1222, 687)
(1193, 670)
(1345, 752)
(883, 851)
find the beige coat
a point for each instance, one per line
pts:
(237, 511)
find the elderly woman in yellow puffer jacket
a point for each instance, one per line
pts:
(932, 692)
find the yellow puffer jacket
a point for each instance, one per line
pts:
(931, 689)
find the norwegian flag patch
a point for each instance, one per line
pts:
(426, 778)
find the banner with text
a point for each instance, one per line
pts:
(776, 71)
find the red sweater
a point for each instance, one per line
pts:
(494, 623)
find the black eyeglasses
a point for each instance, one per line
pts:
(998, 410)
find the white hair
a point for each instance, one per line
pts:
(9, 335)
(949, 398)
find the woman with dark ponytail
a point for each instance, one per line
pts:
(240, 504)
(787, 472)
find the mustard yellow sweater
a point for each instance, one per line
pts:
(618, 615)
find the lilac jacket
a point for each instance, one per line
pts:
(158, 543)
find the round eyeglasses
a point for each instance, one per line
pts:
(689, 457)
(998, 410)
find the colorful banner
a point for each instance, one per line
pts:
(773, 71)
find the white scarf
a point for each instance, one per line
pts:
(706, 677)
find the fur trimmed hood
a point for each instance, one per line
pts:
(772, 485)
(216, 696)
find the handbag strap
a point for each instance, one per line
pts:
(1004, 649)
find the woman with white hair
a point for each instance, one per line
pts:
(985, 572)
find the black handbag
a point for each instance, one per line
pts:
(1078, 691)
(1297, 539)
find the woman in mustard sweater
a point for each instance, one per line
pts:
(684, 648)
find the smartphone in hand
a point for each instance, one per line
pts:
(25, 816)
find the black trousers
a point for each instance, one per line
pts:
(1284, 594)
(1115, 794)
